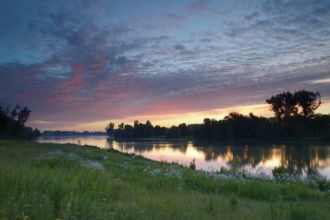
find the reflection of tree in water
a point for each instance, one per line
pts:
(317, 158)
(109, 143)
(121, 145)
(149, 146)
(184, 147)
(296, 159)
(210, 153)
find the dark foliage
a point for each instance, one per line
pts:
(241, 127)
(36, 133)
(72, 133)
(109, 129)
(147, 130)
(294, 117)
(234, 127)
(12, 122)
(287, 104)
(173, 132)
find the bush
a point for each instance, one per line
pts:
(323, 185)
(279, 171)
(192, 165)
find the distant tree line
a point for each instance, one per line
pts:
(241, 127)
(294, 117)
(72, 133)
(147, 130)
(12, 122)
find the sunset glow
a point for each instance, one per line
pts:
(173, 119)
(81, 64)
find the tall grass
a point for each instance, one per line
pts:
(35, 186)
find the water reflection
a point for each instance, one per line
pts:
(301, 160)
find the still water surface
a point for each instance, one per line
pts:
(299, 159)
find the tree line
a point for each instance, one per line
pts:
(12, 122)
(147, 130)
(294, 117)
(71, 133)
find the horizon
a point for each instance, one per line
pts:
(82, 64)
(197, 118)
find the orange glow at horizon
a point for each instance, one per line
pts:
(168, 120)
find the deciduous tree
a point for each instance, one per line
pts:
(109, 128)
(283, 105)
(308, 102)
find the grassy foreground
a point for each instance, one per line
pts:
(49, 181)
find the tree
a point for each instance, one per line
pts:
(209, 127)
(183, 129)
(128, 132)
(173, 132)
(148, 129)
(12, 122)
(287, 104)
(158, 131)
(4, 110)
(121, 126)
(36, 133)
(308, 102)
(16, 114)
(283, 105)
(23, 116)
(109, 128)
(119, 133)
(138, 129)
(239, 126)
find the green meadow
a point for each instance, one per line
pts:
(51, 181)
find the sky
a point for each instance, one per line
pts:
(79, 64)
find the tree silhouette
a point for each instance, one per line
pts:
(183, 129)
(148, 129)
(294, 117)
(308, 102)
(12, 122)
(36, 133)
(23, 116)
(18, 114)
(5, 110)
(287, 104)
(109, 128)
(283, 105)
(173, 132)
(14, 113)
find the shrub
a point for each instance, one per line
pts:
(323, 185)
(279, 171)
(192, 165)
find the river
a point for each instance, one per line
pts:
(298, 159)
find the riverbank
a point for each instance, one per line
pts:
(51, 181)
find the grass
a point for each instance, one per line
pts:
(49, 181)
